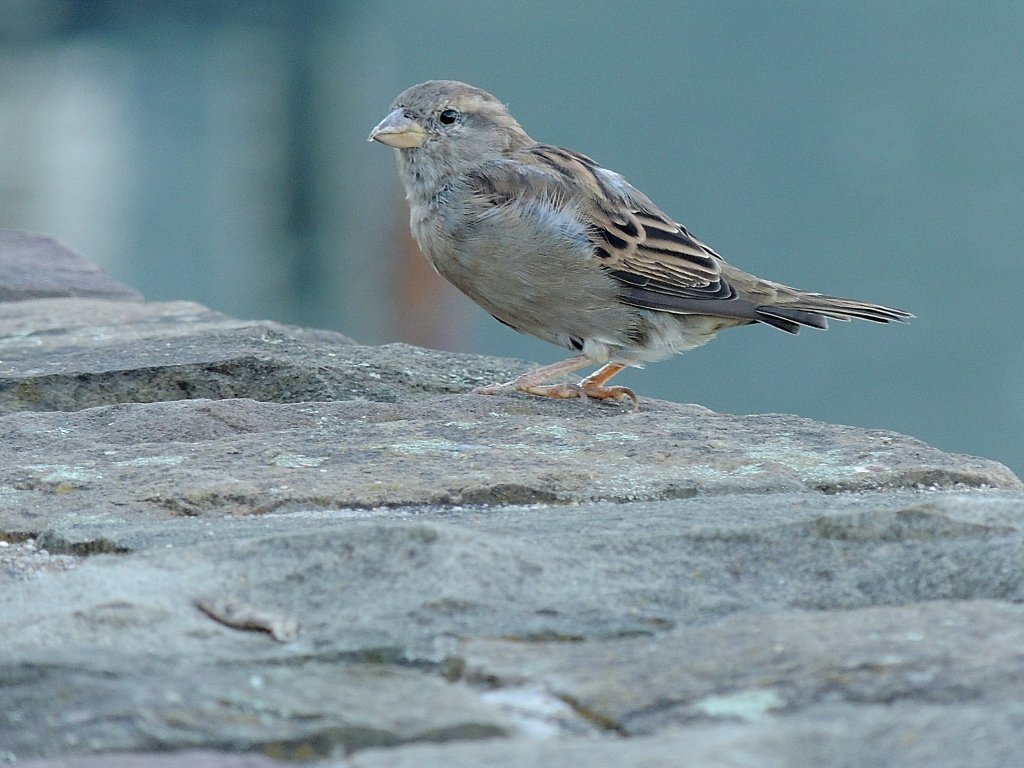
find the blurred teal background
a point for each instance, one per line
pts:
(216, 151)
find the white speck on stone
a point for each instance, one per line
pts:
(549, 430)
(59, 473)
(151, 461)
(750, 705)
(615, 436)
(813, 466)
(434, 445)
(298, 461)
(711, 472)
(891, 660)
(537, 713)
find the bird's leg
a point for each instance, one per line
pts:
(594, 385)
(534, 382)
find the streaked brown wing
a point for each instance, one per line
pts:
(639, 245)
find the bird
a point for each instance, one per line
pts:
(554, 245)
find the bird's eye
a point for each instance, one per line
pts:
(449, 116)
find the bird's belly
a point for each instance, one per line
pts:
(669, 334)
(561, 298)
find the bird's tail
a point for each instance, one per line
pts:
(798, 308)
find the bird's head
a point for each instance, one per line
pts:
(443, 127)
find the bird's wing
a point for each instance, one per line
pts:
(658, 260)
(657, 263)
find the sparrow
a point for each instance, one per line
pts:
(555, 246)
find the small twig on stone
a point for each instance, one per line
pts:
(237, 615)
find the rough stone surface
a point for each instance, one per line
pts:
(228, 543)
(201, 457)
(188, 758)
(864, 736)
(36, 266)
(69, 354)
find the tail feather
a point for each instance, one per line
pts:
(789, 319)
(812, 309)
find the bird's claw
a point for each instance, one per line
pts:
(619, 394)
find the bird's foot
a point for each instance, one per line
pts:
(529, 386)
(564, 391)
(594, 386)
(619, 394)
(533, 383)
(585, 390)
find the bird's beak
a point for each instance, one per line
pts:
(397, 130)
